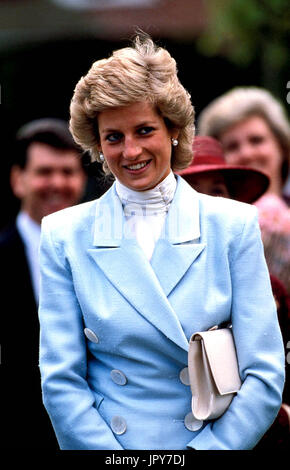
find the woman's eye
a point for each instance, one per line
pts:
(145, 130)
(257, 139)
(113, 137)
(231, 147)
(218, 191)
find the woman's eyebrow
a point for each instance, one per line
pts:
(107, 130)
(145, 124)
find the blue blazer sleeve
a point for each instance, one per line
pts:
(259, 348)
(63, 363)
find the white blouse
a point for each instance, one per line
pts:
(145, 211)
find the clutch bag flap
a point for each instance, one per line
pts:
(220, 351)
(213, 372)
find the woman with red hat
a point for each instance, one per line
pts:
(210, 174)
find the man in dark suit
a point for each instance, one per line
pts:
(47, 176)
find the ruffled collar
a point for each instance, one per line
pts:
(151, 201)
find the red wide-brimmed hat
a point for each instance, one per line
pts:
(244, 184)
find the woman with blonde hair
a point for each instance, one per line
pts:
(128, 278)
(254, 131)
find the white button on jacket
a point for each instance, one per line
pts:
(91, 335)
(184, 376)
(118, 377)
(118, 425)
(191, 423)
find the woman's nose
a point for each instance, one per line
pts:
(131, 149)
(243, 156)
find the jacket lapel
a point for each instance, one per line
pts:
(146, 285)
(131, 274)
(171, 262)
(179, 245)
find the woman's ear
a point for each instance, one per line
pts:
(174, 133)
(99, 147)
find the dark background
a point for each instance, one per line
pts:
(38, 76)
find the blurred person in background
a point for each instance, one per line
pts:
(47, 175)
(210, 174)
(254, 131)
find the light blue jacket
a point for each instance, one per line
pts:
(115, 327)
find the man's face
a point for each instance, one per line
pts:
(52, 180)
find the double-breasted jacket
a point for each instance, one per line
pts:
(115, 327)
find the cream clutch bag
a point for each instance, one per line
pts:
(213, 372)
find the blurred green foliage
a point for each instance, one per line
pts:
(244, 31)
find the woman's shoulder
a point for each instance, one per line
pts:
(69, 219)
(221, 205)
(228, 214)
(217, 207)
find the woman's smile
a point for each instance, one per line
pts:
(138, 167)
(136, 144)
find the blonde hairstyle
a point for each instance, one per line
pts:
(240, 103)
(143, 72)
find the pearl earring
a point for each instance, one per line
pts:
(101, 156)
(174, 142)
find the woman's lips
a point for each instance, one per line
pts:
(136, 168)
